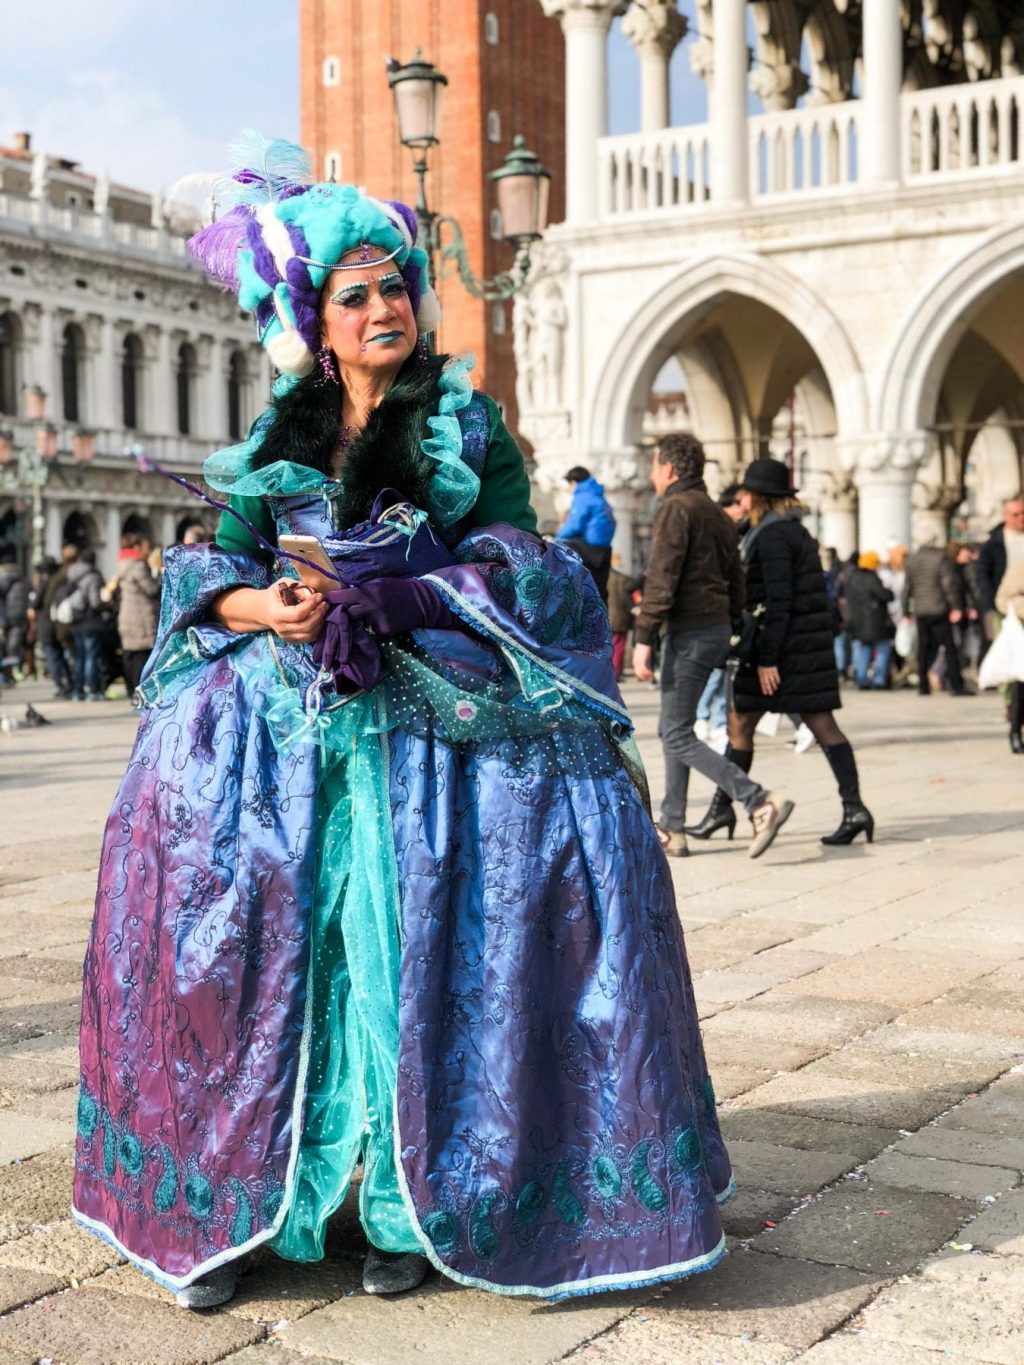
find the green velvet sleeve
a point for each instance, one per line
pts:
(232, 535)
(504, 485)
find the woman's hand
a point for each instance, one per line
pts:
(769, 679)
(291, 610)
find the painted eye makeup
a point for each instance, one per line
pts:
(356, 296)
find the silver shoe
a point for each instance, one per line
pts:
(210, 1290)
(388, 1272)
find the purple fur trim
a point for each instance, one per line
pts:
(262, 260)
(414, 284)
(265, 314)
(407, 215)
(304, 302)
(216, 246)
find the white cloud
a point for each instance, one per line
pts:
(106, 120)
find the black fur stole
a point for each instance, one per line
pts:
(386, 454)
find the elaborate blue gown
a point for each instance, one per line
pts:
(427, 928)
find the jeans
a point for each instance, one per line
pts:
(862, 654)
(87, 663)
(841, 650)
(714, 705)
(688, 658)
(57, 664)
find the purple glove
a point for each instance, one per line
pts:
(391, 606)
(349, 651)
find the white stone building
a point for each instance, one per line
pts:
(101, 307)
(846, 266)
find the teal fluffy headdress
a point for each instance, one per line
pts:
(277, 237)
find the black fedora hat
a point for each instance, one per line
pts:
(770, 478)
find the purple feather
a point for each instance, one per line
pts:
(407, 215)
(217, 246)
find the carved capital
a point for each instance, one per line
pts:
(657, 27)
(587, 11)
(779, 87)
(895, 454)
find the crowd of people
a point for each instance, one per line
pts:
(89, 635)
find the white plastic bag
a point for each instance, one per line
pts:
(1004, 663)
(905, 642)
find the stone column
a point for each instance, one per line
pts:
(47, 364)
(111, 540)
(168, 526)
(108, 379)
(881, 82)
(838, 508)
(53, 536)
(585, 24)
(158, 415)
(216, 420)
(620, 472)
(883, 468)
(730, 181)
(655, 31)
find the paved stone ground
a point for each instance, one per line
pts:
(863, 1017)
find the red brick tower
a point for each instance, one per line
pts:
(505, 63)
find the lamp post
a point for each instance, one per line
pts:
(522, 185)
(28, 469)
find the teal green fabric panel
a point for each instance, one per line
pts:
(505, 487)
(232, 535)
(353, 1057)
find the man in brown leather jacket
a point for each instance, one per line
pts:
(693, 592)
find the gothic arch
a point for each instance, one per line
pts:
(674, 307)
(918, 362)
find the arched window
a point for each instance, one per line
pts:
(491, 30)
(10, 363)
(494, 126)
(332, 166)
(72, 362)
(237, 378)
(185, 384)
(131, 381)
(332, 71)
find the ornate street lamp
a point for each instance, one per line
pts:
(522, 183)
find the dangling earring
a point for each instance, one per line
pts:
(422, 351)
(328, 369)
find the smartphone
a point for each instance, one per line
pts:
(310, 548)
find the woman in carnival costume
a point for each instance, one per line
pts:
(380, 885)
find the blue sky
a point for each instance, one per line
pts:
(151, 91)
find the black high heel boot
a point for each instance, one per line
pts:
(720, 814)
(1016, 718)
(857, 818)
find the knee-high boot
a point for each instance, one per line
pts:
(720, 814)
(856, 816)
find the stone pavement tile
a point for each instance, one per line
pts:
(36, 1191)
(945, 1177)
(92, 1327)
(17, 989)
(720, 945)
(971, 1010)
(882, 924)
(72, 951)
(276, 1290)
(755, 975)
(59, 1105)
(786, 1170)
(963, 1144)
(875, 1228)
(970, 1304)
(850, 1100)
(29, 1073)
(270, 1353)
(25, 1019)
(809, 1134)
(1000, 1109)
(45, 931)
(60, 1249)
(992, 936)
(71, 852)
(71, 892)
(646, 1340)
(888, 976)
(16, 1357)
(791, 1030)
(19, 1286)
(28, 967)
(23, 1135)
(862, 1348)
(730, 1081)
(749, 1210)
(920, 1057)
(1000, 1226)
(771, 1298)
(443, 1324)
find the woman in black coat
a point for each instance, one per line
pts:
(792, 668)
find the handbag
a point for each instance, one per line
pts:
(1004, 662)
(743, 643)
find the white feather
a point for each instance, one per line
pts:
(275, 234)
(289, 353)
(428, 315)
